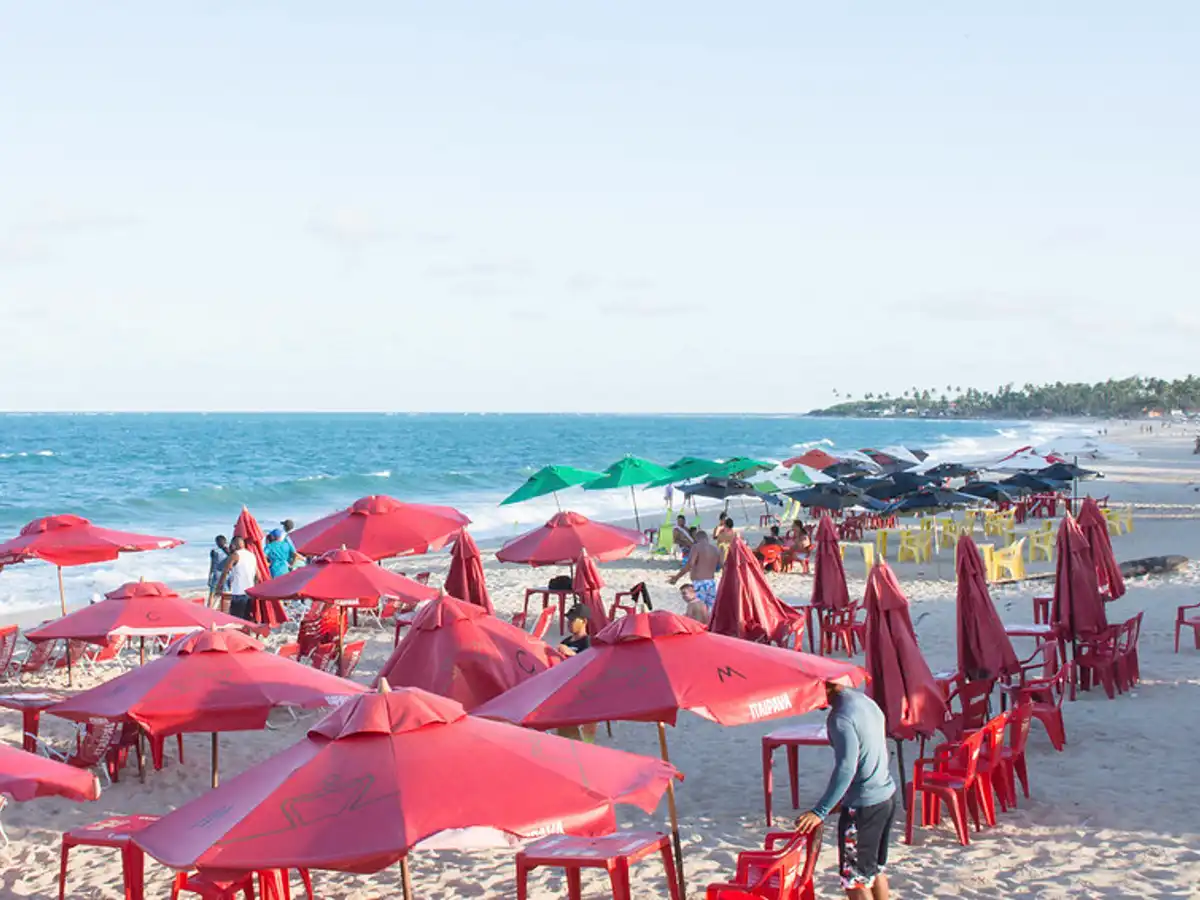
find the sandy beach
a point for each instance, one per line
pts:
(1112, 817)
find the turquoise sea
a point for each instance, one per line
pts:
(188, 475)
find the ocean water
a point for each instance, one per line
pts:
(188, 475)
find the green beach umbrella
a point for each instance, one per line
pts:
(802, 474)
(766, 487)
(549, 480)
(628, 472)
(743, 467)
(686, 468)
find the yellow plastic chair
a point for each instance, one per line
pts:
(968, 524)
(915, 546)
(988, 552)
(1010, 562)
(881, 543)
(1041, 545)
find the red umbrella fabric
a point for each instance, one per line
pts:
(1078, 608)
(74, 541)
(814, 459)
(24, 776)
(646, 667)
(346, 577)
(1095, 529)
(984, 648)
(901, 683)
(746, 607)
(586, 585)
(264, 611)
(465, 578)
(136, 609)
(390, 769)
(381, 527)
(209, 681)
(829, 578)
(568, 534)
(459, 651)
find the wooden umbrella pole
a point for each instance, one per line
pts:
(341, 631)
(405, 881)
(62, 599)
(216, 755)
(678, 845)
(142, 652)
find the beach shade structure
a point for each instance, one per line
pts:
(1027, 482)
(1023, 459)
(465, 578)
(457, 650)
(210, 681)
(984, 649)
(586, 583)
(1078, 609)
(767, 487)
(814, 459)
(989, 490)
(746, 607)
(567, 535)
(834, 496)
(846, 467)
(950, 470)
(381, 527)
(628, 472)
(549, 480)
(932, 498)
(716, 488)
(263, 610)
(1095, 529)
(685, 469)
(891, 463)
(646, 667)
(1064, 471)
(898, 484)
(68, 540)
(829, 578)
(743, 467)
(802, 474)
(26, 776)
(390, 769)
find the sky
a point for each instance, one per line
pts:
(678, 205)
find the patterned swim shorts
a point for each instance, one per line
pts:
(706, 592)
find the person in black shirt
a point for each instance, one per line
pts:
(577, 641)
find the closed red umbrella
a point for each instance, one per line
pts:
(68, 540)
(24, 776)
(746, 607)
(829, 578)
(459, 651)
(262, 610)
(586, 585)
(984, 648)
(568, 534)
(1078, 610)
(465, 578)
(390, 769)
(381, 527)
(1095, 529)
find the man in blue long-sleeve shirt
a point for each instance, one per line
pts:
(863, 783)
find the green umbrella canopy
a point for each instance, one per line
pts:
(547, 481)
(743, 467)
(686, 468)
(627, 472)
(802, 474)
(766, 487)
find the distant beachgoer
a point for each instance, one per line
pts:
(239, 575)
(693, 607)
(288, 527)
(216, 564)
(728, 532)
(701, 567)
(798, 540)
(279, 553)
(681, 533)
(669, 496)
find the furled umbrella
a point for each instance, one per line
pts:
(1095, 529)
(209, 681)
(746, 607)
(1078, 610)
(628, 472)
(68, 540)
(264, 610)
(646, 667)
(984, 648)
(465, 578)
(381, 527)
(25, 776)
(564, 537)
(549, 480)
(829, 579)
(587, 584)
(390, 769)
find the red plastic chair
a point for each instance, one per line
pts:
(792, 558)
(208, 889)
(623, 604)
(99, 748)
(772, 556)
(289, 651)
(950, 778)
(785, 873)
(990, 770)
(543, 623)
(351, 654)
(1045, 697)
(840, 626)
(1012, 754)
(8, 646)
(1183, 620)
(41, 657)
(1096, 660)
(973, 699)
(1128, 666)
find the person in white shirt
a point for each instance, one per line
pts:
(240, 574)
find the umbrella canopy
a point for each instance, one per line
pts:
(1078, 608)
(386, 771)
(898, 484)
(628, 472)
(724, 488)
(264, 610)
(137, 609)
(465, 578)
(686, 468)
(989, 490)
(549, 480)
(834, 496)
(344, 577)
(457, 650)
(746, 607)
(565, 537)
(846, 467)
(1063, 471)
(814, 459)
(587, 584)
(802, 474)
(24, 776)
(1023, 459)
(1025, 481)
(933, 498)
(984, 648)
(1095, 529)
(829, 580)
(901, 683)
(646, 667)
(891, 462)
(743, 467)
(381, 527)
(950, 470)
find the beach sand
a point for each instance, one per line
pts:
(1113, 816)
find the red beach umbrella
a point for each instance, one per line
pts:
(390, 769)
(24, 776)
(381, 526)
(459, 651)
(68, 540)
(586, 585)
(814, 459)
(1095, 529)
(746, 607)
(829, 578)
(209, 681)
(1078, 609)
(984, 648)
(568, 534)
(345, 577)
(465, 578)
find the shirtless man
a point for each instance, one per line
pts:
(701, 566)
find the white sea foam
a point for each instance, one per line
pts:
(383, 473)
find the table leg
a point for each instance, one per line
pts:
(808, 624)
(522, 880)
(574, 883)
(62, 870)
(133, 862)
(673, 890)
(793, 761)
(30, 719)
(768, 751)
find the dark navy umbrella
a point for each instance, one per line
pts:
(932, 498)
(899, 484)
(1065, 472)
(834, 496)
(724, 488)
(1032, 483)
(950, 470)
(847, 467)
(989, 490)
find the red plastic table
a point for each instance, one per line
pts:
(808, 609)
(1041, 631)
(546, 594)
(792, 737)
(613, 852)
(1041, 610)
(31, 706)
(116, 833)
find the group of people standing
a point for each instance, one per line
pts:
(233, 568)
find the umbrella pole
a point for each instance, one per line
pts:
(900, 761)
(405, 881)
(556, 503)
(141, 757)
(662, 747)
(636, 517)
(62, 593)
(216, 755)
(341, 629)
(142, 652)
